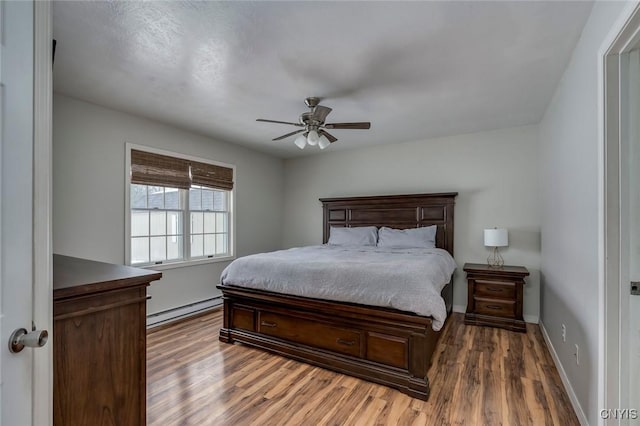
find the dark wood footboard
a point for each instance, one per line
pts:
(385, 346)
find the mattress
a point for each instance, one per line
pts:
(409, 280)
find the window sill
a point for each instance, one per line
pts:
(185, 263)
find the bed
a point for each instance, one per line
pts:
(383, 345)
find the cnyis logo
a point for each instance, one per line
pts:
(619, 413)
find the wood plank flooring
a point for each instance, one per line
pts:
(479, 376)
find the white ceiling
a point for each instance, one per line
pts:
(416, 70)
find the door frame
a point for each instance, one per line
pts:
(42, 397)
(613, 289)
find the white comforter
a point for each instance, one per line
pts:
(405, 279)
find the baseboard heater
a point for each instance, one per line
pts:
(173, 314)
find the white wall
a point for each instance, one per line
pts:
(569, 195)
(89, 184)
(495, 174)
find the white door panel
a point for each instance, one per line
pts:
(25, 208)
(631, 386)
(619, 199)
(16, 208)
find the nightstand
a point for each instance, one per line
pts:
(495, 296)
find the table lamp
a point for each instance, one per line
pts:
(496, 237)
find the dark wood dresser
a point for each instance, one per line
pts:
(495, 296)
(99, 338)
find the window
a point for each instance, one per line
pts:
(209, 216)
(156, 224)
(179, 210)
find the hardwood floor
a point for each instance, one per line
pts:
(479, 375)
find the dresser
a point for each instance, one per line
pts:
(99, 342)
(495, 296)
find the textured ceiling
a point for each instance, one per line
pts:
(414, 69)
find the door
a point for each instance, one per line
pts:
(619, 201)
(16, 248)
(630, 240)
(628, 409)
(25, 179)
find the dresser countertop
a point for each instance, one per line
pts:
(73, 276)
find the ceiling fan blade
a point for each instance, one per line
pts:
(361, 125)
(320, 113)
(328, 135)
(289, 134)
(279, 122)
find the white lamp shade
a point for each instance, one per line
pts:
(300, 142)
(496, 237)
(313, 138)
(323, 142)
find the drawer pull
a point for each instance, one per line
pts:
(495, 307)
(495, 290)
(268, 324)
(345, 342)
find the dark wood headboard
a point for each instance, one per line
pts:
(394, 211)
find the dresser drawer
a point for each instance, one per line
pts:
(495, 289)
(310, 333)
(495, 307)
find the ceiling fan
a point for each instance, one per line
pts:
(313, 126)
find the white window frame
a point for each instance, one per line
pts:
(187, 225)
(186, 243)
(183, 231)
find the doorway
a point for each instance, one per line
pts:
(620, 198)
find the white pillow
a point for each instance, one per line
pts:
(407, 238)
(357, 236)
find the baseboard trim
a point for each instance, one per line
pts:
(533, 319)
(173, 314)
(582, 418)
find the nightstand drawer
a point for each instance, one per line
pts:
(495, 289)
(493, 307)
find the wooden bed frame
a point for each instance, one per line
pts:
(382, 345)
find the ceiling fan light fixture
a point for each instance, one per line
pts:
(313, 127)
(301, 141)
(313, 138)
(323, 142)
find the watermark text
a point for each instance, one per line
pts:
(619, 413)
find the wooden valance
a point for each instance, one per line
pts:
(162, 170)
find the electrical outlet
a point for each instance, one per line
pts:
(564, 333)
(577, 355)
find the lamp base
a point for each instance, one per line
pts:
(495, 260)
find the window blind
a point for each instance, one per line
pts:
(148, 168)
(211, 176)
(161, 170)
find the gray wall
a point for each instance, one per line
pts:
(569, 195)
(89, 193)
(495, 174)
